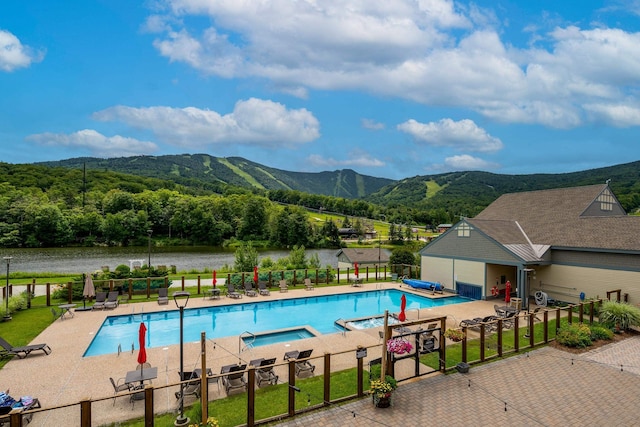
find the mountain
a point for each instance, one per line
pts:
(472, 191)
(215, 172)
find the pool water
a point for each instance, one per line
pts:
(276, 337)
(318, 312)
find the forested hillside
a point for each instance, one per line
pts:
(214, 172)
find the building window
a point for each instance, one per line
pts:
(606, 200)
(464, 230)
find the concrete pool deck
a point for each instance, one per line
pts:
(65, 377)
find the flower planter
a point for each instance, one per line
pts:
(462, 367)
(382, 402)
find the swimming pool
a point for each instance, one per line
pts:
(319, 312)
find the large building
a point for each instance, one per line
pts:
(568, 243)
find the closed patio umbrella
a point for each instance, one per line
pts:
(403, 304)
(214, 278)
(355, 266)
(507, 292)
(255, 274)
(89, 290)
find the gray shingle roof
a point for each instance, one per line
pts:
(365, 255)
(556, 218)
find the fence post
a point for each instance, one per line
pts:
(545, 319)
(204, 381)
(327, 379)
(464, 344)
(500, 337)
(198, 284)
(148, 406)
(360, 372)
(482, 341)
(182, 283)
(70, 291)
(292, 388)
(85, 413)
(148, 287)
(251, 397)
(130, 288)
(516, 335)
(48, 294)
(581, 315)
(591, 308)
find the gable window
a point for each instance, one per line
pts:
(606, 200)
(464, 230)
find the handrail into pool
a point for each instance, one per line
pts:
(342, 329)
(240, 341)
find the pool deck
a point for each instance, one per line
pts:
(65, 377)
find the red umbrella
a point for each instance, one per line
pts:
(403, 304)
(142, 354)
(355, 265)
(255, 274)
(507, 292)
(214, 278)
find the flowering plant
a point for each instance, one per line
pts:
(454, 334)
(211, 422)
(399, 346)
(383, 388)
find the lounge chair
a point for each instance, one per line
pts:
(394, 277)
(22, 352)
(101, 299)
(112, 300)
(262, 288)
(192, 387)
(477, 322)
(308, 285)
(231, 291)
(265, 373)
(234, 381)
(249, 290)
(163, 296)
(303, 367)
(283, 286)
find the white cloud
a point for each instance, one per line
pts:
(95, 143)
(254, 121)
(433, 52)
(352, 160)
(372, 124)
(13, 54)
(462, 135)
(619, 115)
(466, 162)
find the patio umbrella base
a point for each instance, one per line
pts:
(181, 421)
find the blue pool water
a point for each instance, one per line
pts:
(319, 312)
(277, 337)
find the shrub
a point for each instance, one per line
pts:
(619, 315)
(574, 335)
(599, 332)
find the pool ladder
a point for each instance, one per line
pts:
(340, 329)
(248, 345)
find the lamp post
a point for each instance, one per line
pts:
(149, 233)
(181, 420)
(7, 316)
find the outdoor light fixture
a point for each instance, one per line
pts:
(149, 233)
(7, 316)
(181, 303)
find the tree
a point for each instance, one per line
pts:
(246, 257)
(401, 256)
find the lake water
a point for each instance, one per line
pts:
(82, 260)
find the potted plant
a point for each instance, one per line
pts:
(381, 391)
(455, 335)
(399, 346)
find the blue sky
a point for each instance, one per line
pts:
(393, 88)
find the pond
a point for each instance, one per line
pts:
(83, 260)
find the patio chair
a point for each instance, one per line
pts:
(22, 352)
(262, 288)
(477, 322)
(249, 290)
(101, 299)
(118, 387)
(112, 300)
(507, 320)
(56, 314)
(534, 313)
(231, 291)
(163, 296)
(308, 285)
(265, 373)
(283, 286)
(234, 381)
(142, 366)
